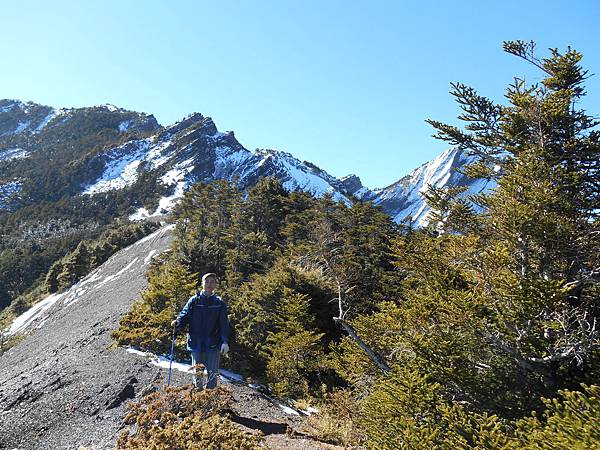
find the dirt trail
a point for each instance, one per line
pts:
(64, 387)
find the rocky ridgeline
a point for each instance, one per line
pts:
(65, 385)
(167, 160)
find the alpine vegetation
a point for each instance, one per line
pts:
(478, 330)
(468, 321)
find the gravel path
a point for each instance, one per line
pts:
(66, 387)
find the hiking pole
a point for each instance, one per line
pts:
(171, 357)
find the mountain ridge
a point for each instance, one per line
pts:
(133, 146)
(74, 393)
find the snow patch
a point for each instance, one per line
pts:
(307, 182)
(232, 375)
(8, 107)
(13, 153)
(93, 277)
(178, 172)
(157, 233)
(232, 163)
(362, 192)
(218, 135)
(126, 268)
(166, 204)
(20, 127)
(140, 214)
(288, 410)
(124, 126)
(116, 275)
(121, 171)
(46, 120)
(156, 155)
(439, 172)
(73, 295)
(7, 190)
(164, 362)
(172, 177)
(224, 375)
(21, 322)
(148, 258)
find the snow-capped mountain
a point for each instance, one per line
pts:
(22, 118)
(17, 117)
(194, 150)
(403, 199)
(130, 148)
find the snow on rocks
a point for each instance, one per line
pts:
(7, 190)
(124, 126)
(46, 120)
(121, 167)
(20, 127)
(405, 197)
(25, 319)
(225, 376)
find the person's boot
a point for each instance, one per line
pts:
(199, 378)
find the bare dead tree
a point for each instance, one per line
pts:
(328, 255)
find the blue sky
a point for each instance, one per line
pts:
(346, 85)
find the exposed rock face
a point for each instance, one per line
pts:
(172, 158)
(64, 385)
(351, 183)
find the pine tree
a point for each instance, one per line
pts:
(148, 324)
(267, 208)
(536, 267)
(267, 305)
(499, 309)
(351, 247)
(294, 348)
(75, 266)
(52, 277)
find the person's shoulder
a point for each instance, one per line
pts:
(218, 299)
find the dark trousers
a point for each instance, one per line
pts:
(210, 359)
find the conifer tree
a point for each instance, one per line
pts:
(75, 267)
(497, 309)
(204, 218)
(52, 277)
(541, 222)
(193, 221)
(283, 300)
(350, 245)
(148, 324)
(294, 347)
(267, 208)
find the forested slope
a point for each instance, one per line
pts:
(449, 336)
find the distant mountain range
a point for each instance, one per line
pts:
(47, 154)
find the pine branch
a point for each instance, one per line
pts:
(524, 50)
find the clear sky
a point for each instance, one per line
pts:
(346, 85)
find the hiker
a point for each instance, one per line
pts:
(208, 335)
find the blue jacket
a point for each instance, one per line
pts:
(207, 320)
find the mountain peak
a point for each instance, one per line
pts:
(178, 155)
(351, 183)
(110, 107)
(190, 120)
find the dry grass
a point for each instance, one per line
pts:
(335, 420)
